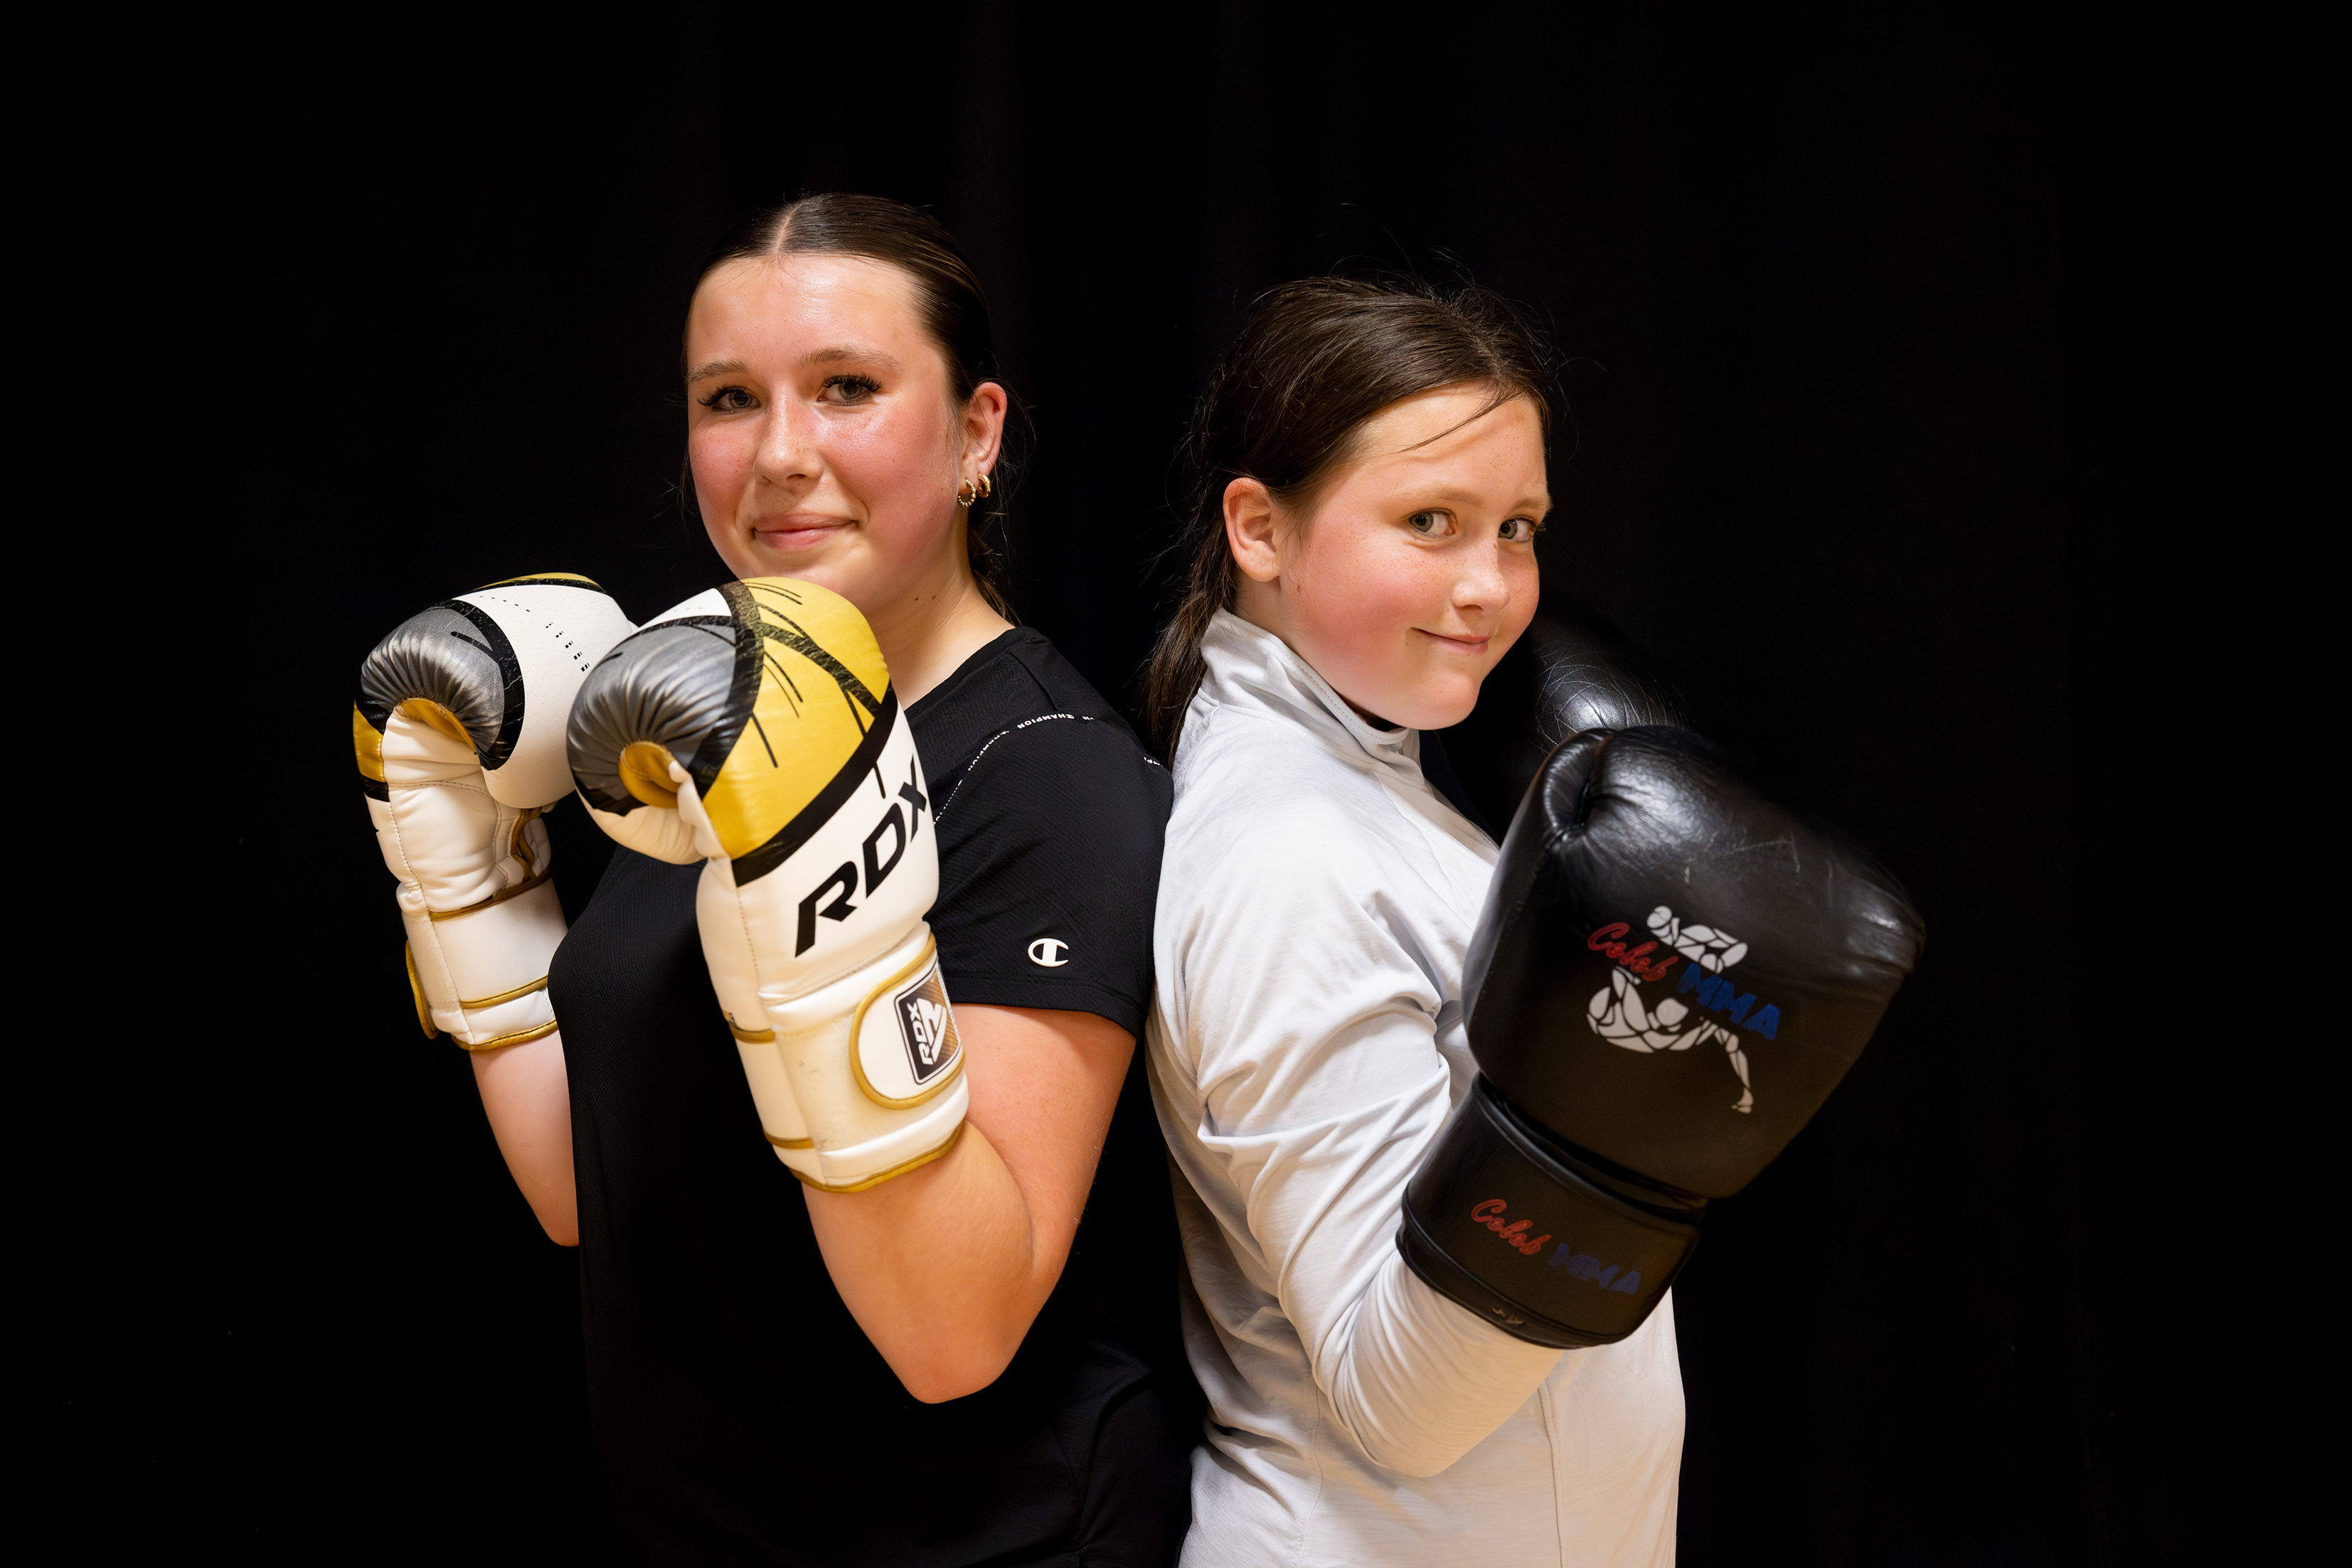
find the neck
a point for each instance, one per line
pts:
(926, 635)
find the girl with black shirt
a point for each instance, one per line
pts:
(943, 1369)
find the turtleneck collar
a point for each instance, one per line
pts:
(1250, 668)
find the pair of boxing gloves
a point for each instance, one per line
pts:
(753, 728)
(1671, 973)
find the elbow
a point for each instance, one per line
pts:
(1420, 1463)
(1403, 1439)
(952, 1372)
(562, 1235)
(939, 1366)
(1395, 1446)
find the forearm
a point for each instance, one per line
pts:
(528, 1099)
(1418, 1381)
(946, 1267)
(940, 1267)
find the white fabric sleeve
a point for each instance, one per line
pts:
(1312, 1019)
(1421, 1382)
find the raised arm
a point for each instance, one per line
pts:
(529, 1103)
(459, 726)
(946, 1268)
(1308, 1082)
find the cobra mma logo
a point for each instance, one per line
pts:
(899, 828)
(1579, 1265)
(1620, 1015)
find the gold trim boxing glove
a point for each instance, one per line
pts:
(754, 729)
(459, 730)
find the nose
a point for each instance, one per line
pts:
(1482, 587)
(788, 455)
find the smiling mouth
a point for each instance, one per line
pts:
(797, 533)
(1460, 644)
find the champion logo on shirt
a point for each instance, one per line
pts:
(1049, 952)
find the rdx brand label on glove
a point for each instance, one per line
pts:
(836, 898)
(927, 1026)
(1579, 1265)
(907, 1049)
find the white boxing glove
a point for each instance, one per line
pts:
(754, 729)
(459, 728)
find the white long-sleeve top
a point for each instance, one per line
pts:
(1315, 902)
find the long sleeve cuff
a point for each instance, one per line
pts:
(1419, 1382)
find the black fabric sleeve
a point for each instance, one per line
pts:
(1049, 869)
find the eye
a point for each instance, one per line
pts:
(851, 389)
(1520, 530)
(1431, 525)
(730, 400)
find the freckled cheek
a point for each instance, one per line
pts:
(1369, 599)
(1527, 590)
(895, 474)
(722, 460)
(882, 458)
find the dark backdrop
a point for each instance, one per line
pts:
(1859, 313)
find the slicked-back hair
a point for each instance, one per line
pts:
(955, 314)
(1314, 362)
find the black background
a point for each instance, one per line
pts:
(1902, 389)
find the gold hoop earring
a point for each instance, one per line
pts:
(966, 494)
(984, 486)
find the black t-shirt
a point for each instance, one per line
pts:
(741, 1414)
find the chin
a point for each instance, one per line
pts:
(819, 563)
(1440, 708)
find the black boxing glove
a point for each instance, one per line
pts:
(1671, 974)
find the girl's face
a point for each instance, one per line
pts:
(1413, 569)
(823, 437)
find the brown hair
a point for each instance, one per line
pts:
(955, 313)
(1315, 361)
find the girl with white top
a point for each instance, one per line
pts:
(1372, 476)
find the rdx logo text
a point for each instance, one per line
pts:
(900, 829)
(1579, 1265)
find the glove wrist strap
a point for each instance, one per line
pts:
(1502, 1222)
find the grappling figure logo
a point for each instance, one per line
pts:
(1619, 1015)
(927, 1026)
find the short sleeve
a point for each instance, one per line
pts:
(1049, 869)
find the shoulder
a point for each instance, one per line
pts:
(1062, 766)
(1275, 824)
(1225, 749)
(1249, 786)
(1018, 731)
(1049, 817)
(1020, 675)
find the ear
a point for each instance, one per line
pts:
(983, 426)
(1250, 516)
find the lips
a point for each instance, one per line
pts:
(1459, 645)
(796, 532)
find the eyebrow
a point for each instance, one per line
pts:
(1448, 496)
(840, 353)
(832, 354)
